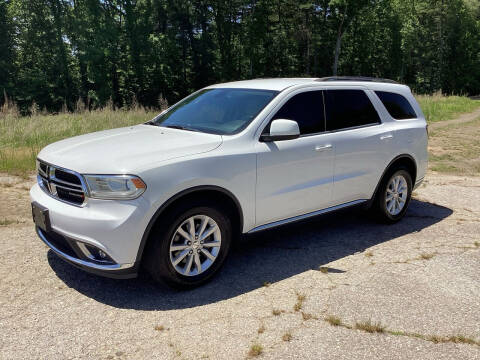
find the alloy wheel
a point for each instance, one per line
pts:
(396, 195)
(195, 245)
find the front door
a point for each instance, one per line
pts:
(295, 177)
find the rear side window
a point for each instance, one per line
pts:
(349, 108)
(397, 105)
(307, 110)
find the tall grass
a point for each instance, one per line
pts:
(440, 108)
(21, 138)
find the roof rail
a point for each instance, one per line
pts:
(356, 78)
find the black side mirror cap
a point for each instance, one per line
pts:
(271, 138)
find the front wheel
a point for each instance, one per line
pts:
(189, 245)
(393, 196)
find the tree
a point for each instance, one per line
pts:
(6, 52)
(343, 13)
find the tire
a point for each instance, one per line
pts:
(168, 244)
(393, 210)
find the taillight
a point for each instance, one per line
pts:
(426, 127)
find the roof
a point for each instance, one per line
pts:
(280, 84)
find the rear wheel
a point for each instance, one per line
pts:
(189, 245)
(393, 196)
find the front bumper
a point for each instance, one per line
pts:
(116, 271)
(113, 227)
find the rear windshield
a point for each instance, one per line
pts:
(217, 111)
(397, 105)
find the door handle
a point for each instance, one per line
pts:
(385, 137)
(323, 147)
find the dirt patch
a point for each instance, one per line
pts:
(15, 203)
(455, 147)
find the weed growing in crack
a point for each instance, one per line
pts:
(426, 256)
(299, 304)
(369, 327)
(255, 350)
(323, 270)
(463, 340)
(334, 320)
(307, 316)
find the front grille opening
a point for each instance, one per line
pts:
(61, 184)
(43, 167)
(76, 197)
(65, 176)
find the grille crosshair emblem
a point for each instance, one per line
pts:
(51, 174)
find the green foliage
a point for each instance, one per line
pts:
(128, 52)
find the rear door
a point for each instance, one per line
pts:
(295, 177)
(361, 143)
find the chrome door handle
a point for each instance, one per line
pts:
(385, 137)
(323, 147)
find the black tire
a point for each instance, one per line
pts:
(379, 207)
(157, 261)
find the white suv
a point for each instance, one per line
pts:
(173, 194)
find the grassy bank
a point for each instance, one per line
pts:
(441, 108)
(21, 138)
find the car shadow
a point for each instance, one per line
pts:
(269, 256)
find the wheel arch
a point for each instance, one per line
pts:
(404, 159)
(210, 191)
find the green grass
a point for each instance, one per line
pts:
(22, 138)
(440, 108)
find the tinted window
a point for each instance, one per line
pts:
(349, 108)
(398, 107)
(218, 111)
(307, 110)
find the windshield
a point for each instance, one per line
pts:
(218, 111)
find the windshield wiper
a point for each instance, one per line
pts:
(180, 127)
(151, 122)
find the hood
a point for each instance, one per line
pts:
(125, 150)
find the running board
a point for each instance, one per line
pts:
(305, 216)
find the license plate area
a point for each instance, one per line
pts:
(41, 217)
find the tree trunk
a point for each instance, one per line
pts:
(337, 50)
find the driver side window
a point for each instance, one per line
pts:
(306, 109)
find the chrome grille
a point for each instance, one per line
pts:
(65, 185)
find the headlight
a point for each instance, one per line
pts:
(114, 187)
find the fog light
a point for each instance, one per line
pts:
(95, 254)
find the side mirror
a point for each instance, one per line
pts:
(281, 129)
